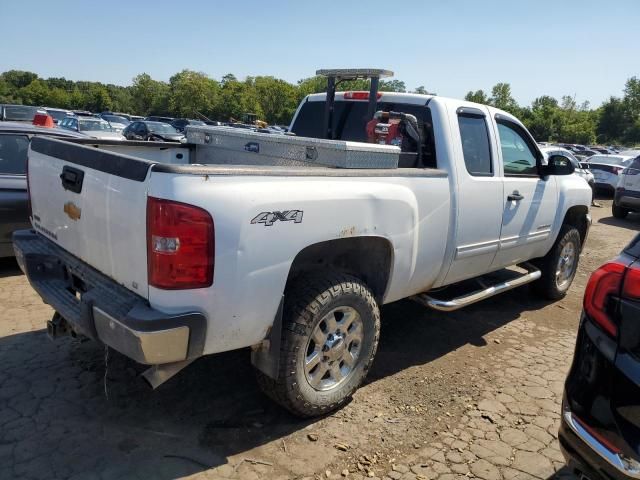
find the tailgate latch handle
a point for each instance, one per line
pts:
(72, 179)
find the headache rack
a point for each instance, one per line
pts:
(337, 75)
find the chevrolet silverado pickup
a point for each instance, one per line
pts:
(289, 244)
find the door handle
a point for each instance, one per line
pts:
(515, 196)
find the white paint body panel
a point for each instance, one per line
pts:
(441, 229)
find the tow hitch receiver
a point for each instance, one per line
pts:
(57, 326)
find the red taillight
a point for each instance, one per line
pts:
(604, 282)
(359, 95)
(631, 287)
(180, 245)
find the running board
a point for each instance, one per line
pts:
(532, 275)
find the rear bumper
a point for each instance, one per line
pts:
(627, 199)
(586, 454)
(96, 306)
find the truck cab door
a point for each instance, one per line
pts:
(530, 201)
(478, 193)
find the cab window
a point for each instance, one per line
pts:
(517, 156)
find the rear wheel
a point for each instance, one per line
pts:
(619, 212)
(559, 266)
(330, 331)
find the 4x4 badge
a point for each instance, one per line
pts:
(268, 218)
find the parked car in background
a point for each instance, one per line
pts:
(603, 150)
(154, 118)
(606, 169)
(580, 169)
(117, 122)
(630, 153)
(58, 114)
(627, 196)
(583, 154)
(19, 113)
(83, 113)
(601, 407)
(136, 118)
(181, 123)
(153, 131)
(14, 143)
(92, 126)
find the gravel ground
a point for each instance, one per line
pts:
(472, 394)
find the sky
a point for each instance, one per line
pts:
(582, 48)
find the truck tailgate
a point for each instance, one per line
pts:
(92, 203)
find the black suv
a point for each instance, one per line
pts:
(600, 429)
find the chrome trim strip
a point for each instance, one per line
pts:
(480, 248)
(620, 462)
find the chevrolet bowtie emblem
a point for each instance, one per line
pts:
(72, 210)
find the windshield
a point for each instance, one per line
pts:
(57, 114)
(116, 119)
(19, 112)
(160, 127)
(94, 125)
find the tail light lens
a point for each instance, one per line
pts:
(604, 282)
(180, 245)
(631, 287)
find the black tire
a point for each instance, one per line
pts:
(547, 286)
(619, 212)
(307, 303)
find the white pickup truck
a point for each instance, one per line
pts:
(168, 252)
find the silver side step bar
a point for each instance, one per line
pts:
(460, 302)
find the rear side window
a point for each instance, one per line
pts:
(13, 154)
(475, 144)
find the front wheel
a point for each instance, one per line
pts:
(619, 212)
(330, 331)
(559, 266)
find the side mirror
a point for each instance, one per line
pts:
(558, 165)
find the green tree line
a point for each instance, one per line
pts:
(192, 94)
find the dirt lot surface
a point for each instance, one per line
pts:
(470, 394)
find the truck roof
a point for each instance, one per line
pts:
(410, 98)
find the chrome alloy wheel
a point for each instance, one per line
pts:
(567, 263)
(333, 348)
